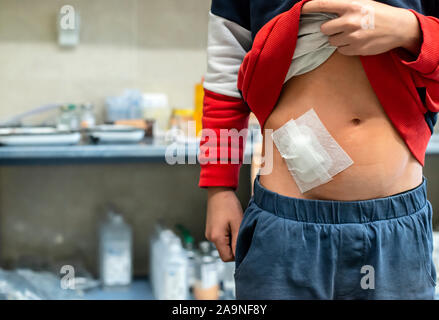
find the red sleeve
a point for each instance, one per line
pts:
(426, 65)
(220, 156)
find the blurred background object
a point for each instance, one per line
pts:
(115, 251)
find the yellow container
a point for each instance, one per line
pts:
(198, 101)
(184, 113)
(181, 118)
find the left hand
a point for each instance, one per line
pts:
(366, 27)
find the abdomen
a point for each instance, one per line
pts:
(345, 102)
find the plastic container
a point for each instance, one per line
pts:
(198, 102)
(124, 107)
(229, 281)
(156, 107)
(175, 271)
(88, 119)
(220, 267)
(206, 285)
(182, 127)
(191, 254)
(158, 254)
(168, 266)
(68, 119)
(115, 251)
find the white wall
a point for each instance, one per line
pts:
(152, 45)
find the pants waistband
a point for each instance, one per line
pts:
(339, 212)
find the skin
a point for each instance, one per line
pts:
(341, 95)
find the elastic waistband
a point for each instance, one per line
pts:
(338, 212)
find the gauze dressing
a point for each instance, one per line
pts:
(312, 156)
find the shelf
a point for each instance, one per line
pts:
(138, 290)
(147, 151)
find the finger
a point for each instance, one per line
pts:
(333, 26)
(332, 6)
(235, 230)
(224, 248)
(347, 50)
(339, 40)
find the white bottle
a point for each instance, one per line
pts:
(88, 119)
(153, 242)
(206, 285)
(158, 253)
(220, 264)
(115, 250)
(175, 271)
(229, 281)
(191, 257)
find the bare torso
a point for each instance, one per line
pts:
(345, 102)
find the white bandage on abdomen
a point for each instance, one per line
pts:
(313, 157)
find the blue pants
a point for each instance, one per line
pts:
(290, 248)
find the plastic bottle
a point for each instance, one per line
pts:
(220, 267)
(206, 285)
(88, 119)
(168, 265)
(229, 281)
(115, 250)
(161, 253)
(158, 253)
(174, 274)
(68, 119)
(188, 244)
(153, 256)
(156, 106)
(191, 256)
(173, 133)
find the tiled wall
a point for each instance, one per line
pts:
(152, 45)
